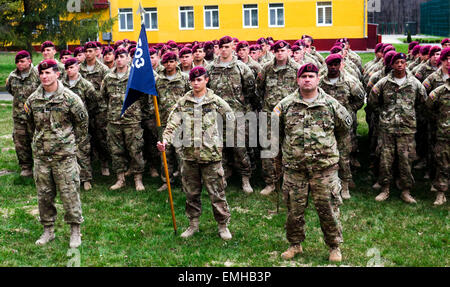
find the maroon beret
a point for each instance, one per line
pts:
(172, 45)
(261, 41)
(90, 45)
(196, 72)
(64, 53)
(130, 47)
(308, 37)
(396, 57)
(180, 46)
(307, 68)
(444, 54)
(158, 46)
(126, 41)
(270, 39)
(120, 51)
(216, 42)
(388, 57)
(132, 51)
(241, 44)
(208, 45)
(185, 51)
(99, 44)
(117, 44)
(195, 43)
(189, 45)
(280, 44)
(378, 47)
(196, 47)
(255, 47)
(333, 57)
(416, 50)
(225, 40)
(388, 48)
(46, 64)
(164, 50)
(77, 51)
(434, 50)
(295, 48)
(235, 39)
(70, 62)
(107, 49)
(445, 41)
(22, 54)
(336, 49)
(152, 51)
(425, 50)
(412, 45)
(47, 44)
(169, 56)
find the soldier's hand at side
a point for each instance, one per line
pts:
(161, 146)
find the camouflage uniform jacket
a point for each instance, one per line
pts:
(265, 58)
(439, 100)
(368, 65)
(59, 124)
(96, 76)
(113, 91)
(414, 63)
(159, 69)
(170, 91)
(207, 146)
(375, 79)
(234, 83)
(308, 58)
(434, 80)
(203, 64)
(396, 105)
(254, 66)
(274, 83)
(310, 131)
(318, 56)
(355, 59)
(21, 88)
(85, 90)
(347, 92)
(416, 68)
(425, 70)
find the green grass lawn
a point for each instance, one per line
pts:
(129, 228)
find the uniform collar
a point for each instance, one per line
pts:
(320, 101)
(231, 64)
(206, 100)
(59, 92)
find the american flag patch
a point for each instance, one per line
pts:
(375, 90)
(426, 84)
(26, 108)
(432, 96)
(277, 110)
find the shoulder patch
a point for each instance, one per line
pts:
(426, 84)
(348, 121)
(26, 108)
(277, 111)
(432, 95)
(375, 90)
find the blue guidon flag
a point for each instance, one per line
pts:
(141, 80)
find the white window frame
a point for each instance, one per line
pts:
(251, 10)
(150, 11)
(186, 12)
(323, 12)
(126, 13)
(211, 10)
(276, 15)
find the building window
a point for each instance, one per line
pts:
(324, 14)
(211, 17)
(186, 18)
(125, 19)
(250, 15)
(276, 15)
(151, 19)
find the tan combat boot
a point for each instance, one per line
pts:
(47, 236)
(120, 181)
(268, 189)
(138, 182)
(75, 236)
(193, 228)
(26, 172)
(406, 197)
(153, 172)
(345, 193)
(384, 194)
(224, 232)
(292, 251)
(440, 199)
(163, 187)
(246, 184)
(335, 255)
(87, 185)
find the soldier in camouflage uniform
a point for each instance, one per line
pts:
(233, 81)
(242, 51)
(355, 58)
(439, 100)
(108, 57)
(311, 124)
(351, 96)
(276, 81)
(21, 83)
(171, 85)
(378, 58)
(265, 55)
(85, 90)
(78, 53)
(430, 66)
(396, 98)
(311, 50)
(201, 157)
(379, 66)
(199, 56)
(186, 61)
(125, 134)
(48, 50)
(424, 57)
(95, 72)
(59, 123)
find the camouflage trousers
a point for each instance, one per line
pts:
(99, 140)
(22, 142)
(442, 163)
(272, 169)
(151, 153)
(50, 175)
(125, 144)
(173, 163)
(325, 188)
(402, 146)
(344, 146)
(84, 160)
(211, 175)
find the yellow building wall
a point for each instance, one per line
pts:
(300, 18)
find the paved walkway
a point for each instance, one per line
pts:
(4, 96)
(396, 39)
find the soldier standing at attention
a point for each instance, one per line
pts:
(395, 98)
(95, 72)
(186, 61)
(199, 56)
(255, 52)
(265, 55)
(233, 81)
(201, 161)
(277, 80)
(48, 53)
(108, 57)
(85, 90)
(59, 123)
(311, 124)
(125, 134)
(79, 54)
(64, 55)
(21, 83)
(243, 51)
